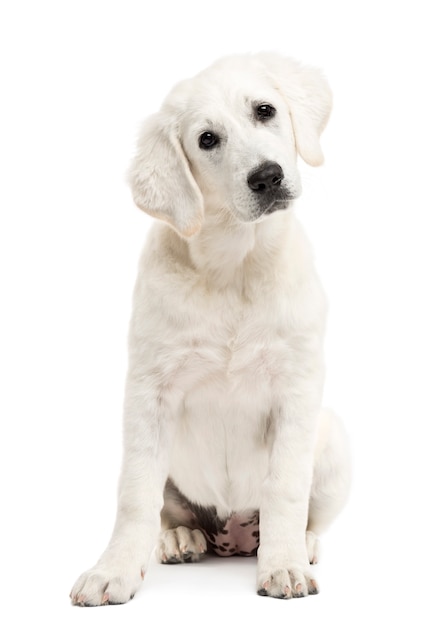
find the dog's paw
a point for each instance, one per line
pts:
(103, 585)
(291, 582)
(181, 545)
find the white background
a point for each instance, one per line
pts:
(77, 78)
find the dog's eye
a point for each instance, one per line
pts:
(208, 141)
(265, 112)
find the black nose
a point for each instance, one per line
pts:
(266, 177)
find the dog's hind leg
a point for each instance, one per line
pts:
(181, 545)
(180, 540)
(331, 480)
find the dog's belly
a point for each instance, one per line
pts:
(239, 534)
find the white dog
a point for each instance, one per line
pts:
(225, 440)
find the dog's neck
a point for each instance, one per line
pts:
(229, 253)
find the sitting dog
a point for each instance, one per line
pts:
(225, 441)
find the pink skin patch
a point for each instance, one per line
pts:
(238, 536)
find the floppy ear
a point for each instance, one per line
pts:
(161, 180)
(309, 99)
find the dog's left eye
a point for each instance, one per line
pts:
(264, 112)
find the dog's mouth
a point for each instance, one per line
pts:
(269, 203)
(277, 205)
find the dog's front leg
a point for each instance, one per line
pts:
(283, 565)
(148, 427)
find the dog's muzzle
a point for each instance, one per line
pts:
(265, 183)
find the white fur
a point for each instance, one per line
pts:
(225, 352)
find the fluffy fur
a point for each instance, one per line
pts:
(226, 371)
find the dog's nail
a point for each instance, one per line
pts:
(143, 573)
(266, 585)
(298, 588)
(287, 590)
(313, 587)
(105, 599)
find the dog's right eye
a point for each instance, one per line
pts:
(208, 141)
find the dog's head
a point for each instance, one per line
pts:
(228, 139)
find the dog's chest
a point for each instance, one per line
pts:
(239, 345)
(232, 372)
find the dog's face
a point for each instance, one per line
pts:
(228, 139)
(238, 137)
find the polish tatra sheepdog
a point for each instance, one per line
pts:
(226, 446)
